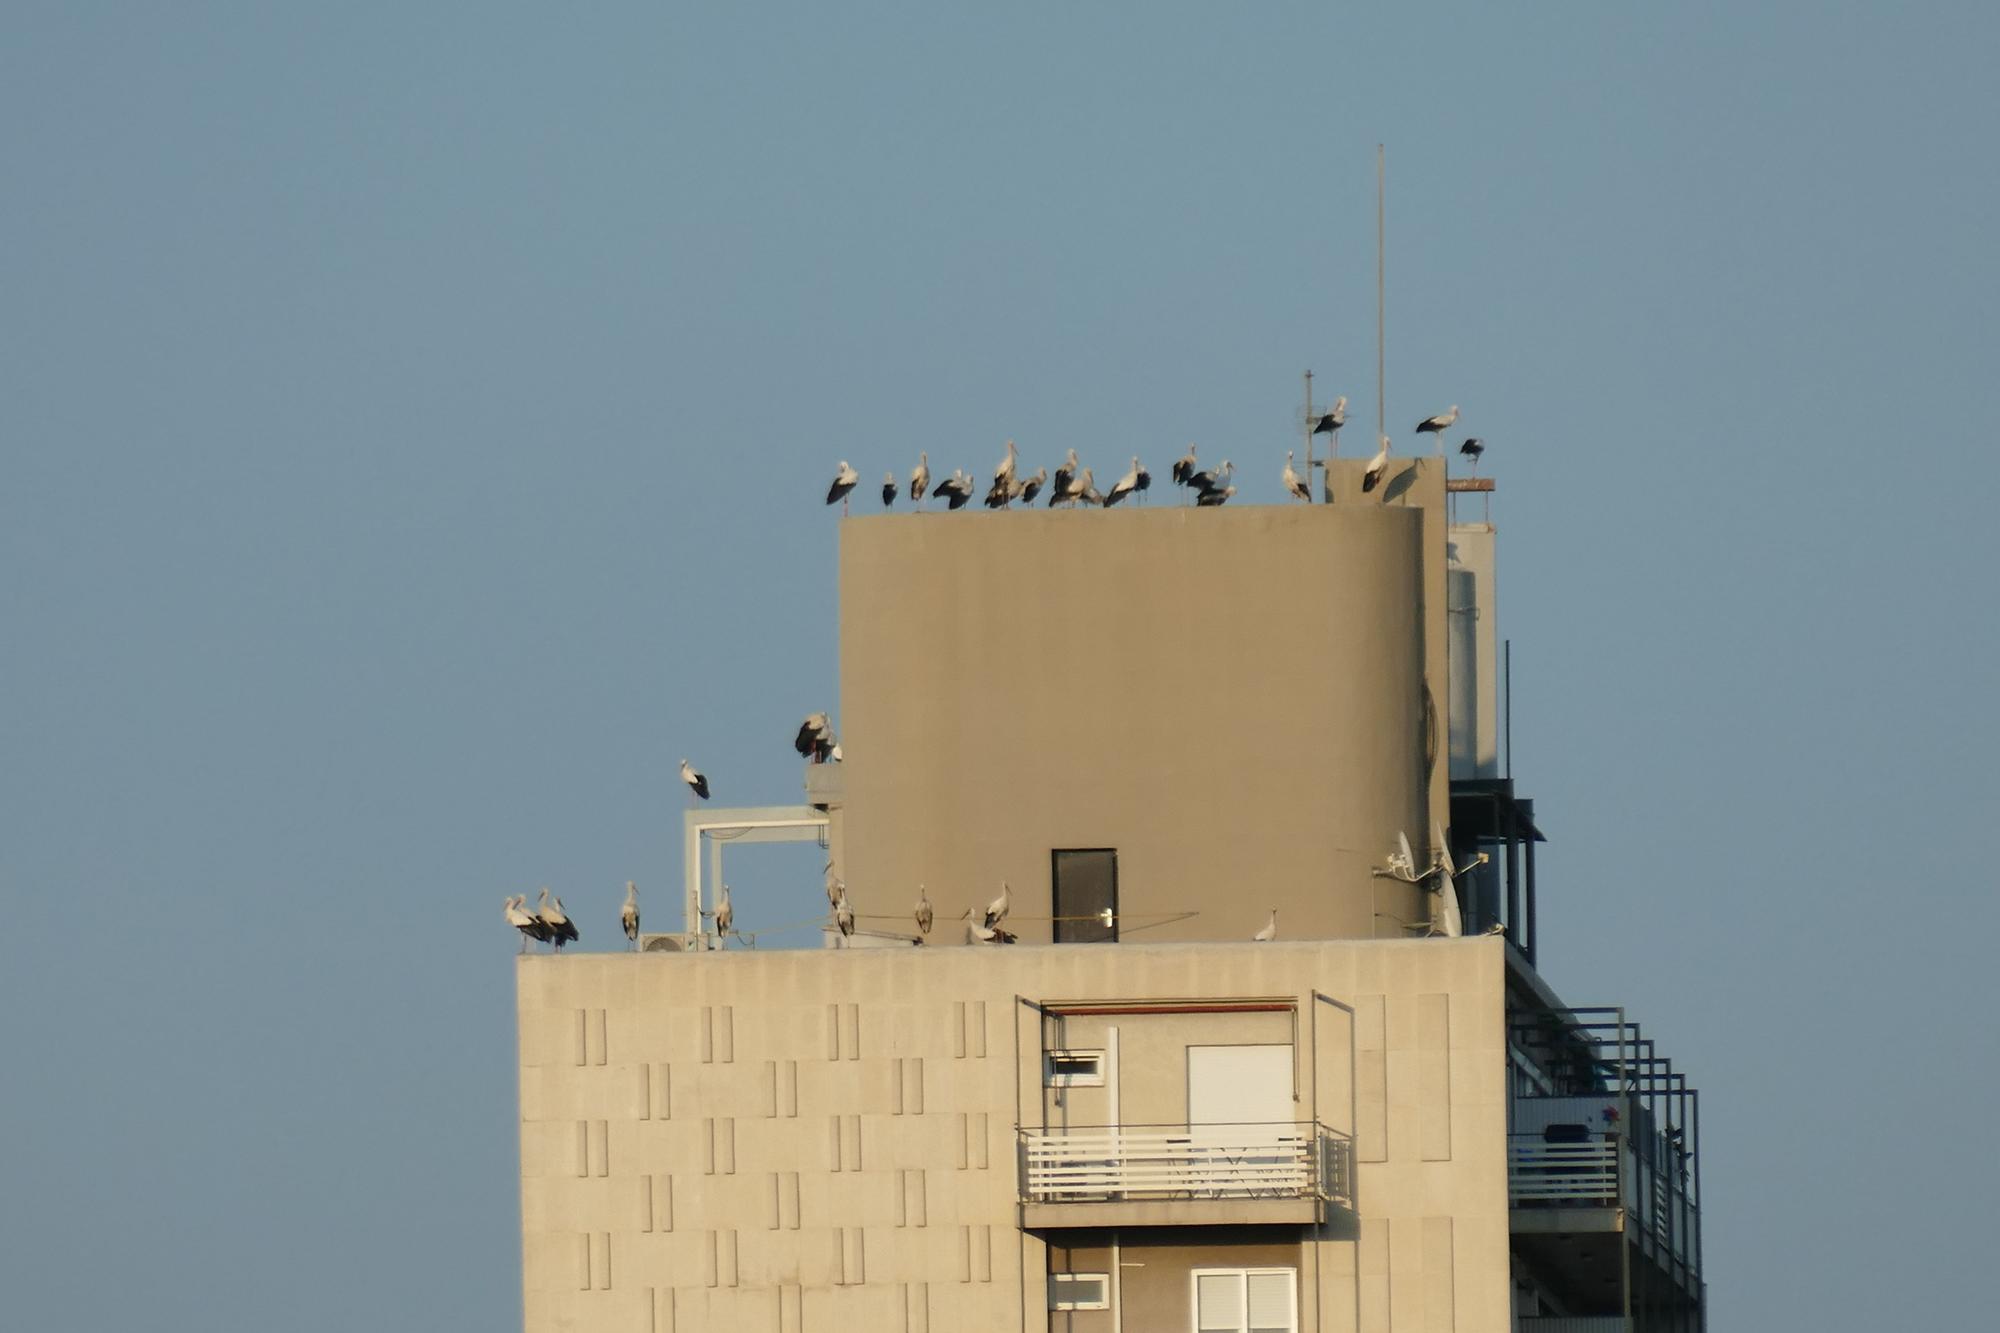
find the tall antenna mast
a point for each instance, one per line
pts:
(1309, 430)
(1381, 377)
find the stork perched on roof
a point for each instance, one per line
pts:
(1270, 930)
(561, 928)
(1210, 480)
(843, 482)
(628, 915)
(526, 922)
(1472, 449)
(815, 740)
(1003, 471)
(1438, 424)
(1001, 493)
(725, 915)
(1183, 467)
(1082, 488)
(1059, 486)
(922, 912)
(843, 913)
(1031, 486)
(956, 489)
(1292, 481)
(987, 934)
(1213, 498)
(697, 782)
(920, 478)
(997, 910)
(1126, 484)
(1330, 421)
(889, 489)
(1371, 477)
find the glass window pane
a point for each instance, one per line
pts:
(1271, 1302)
(1086, 895)
(1219, 1302)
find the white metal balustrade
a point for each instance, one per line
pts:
(1139, 1162)
(1543, 1172)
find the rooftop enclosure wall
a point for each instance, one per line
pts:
(797, 1141)
(1235, 699)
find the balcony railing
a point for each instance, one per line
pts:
(1580, 1173)
(1133, 1163)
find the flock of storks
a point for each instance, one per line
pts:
(1074, 484)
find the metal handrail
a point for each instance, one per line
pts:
(1282, 1159)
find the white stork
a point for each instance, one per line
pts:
(844, 481)
(997, 910)
(1472, 449)
(1059, 488)
(1030, 487)
(560, 927)
(987, 934)
(1142, 481)
(1125, 485)
(889, 489)
(1292, 482)
(1213, 499)
(697, 782)
(1003, 472)
(815, 737)
(957, 489)
(1184, 466)
(1330, 422)
(1270, 930)
(1438, 425)
(725, 915)
(1000, 493)
(920, 478)
(1379, 464)
(843, 913)
(1082, 487)
(1213, 479)
(526, 922)
(923, 911)
(628, 915)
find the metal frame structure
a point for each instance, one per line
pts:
(746, 824)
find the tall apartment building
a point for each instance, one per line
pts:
(1158, 727)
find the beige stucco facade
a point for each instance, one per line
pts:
(814, 1140)
(1249, 706)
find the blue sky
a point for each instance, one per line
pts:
(414, 423)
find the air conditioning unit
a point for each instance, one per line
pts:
(660, 944)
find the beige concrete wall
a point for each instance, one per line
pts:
(825, 1139)
(1415, 483)
(1232, 698)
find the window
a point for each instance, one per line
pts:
(1246, 1300)
(1085, 895)
(1079, 1291)
(1074, 1069)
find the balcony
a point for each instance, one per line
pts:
(1180, 1175)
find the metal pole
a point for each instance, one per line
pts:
(1309, 430)
(1381, 356)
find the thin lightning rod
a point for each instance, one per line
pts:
(1381, 357)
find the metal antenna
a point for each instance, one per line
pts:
(1381, 377)
(1309, 430)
